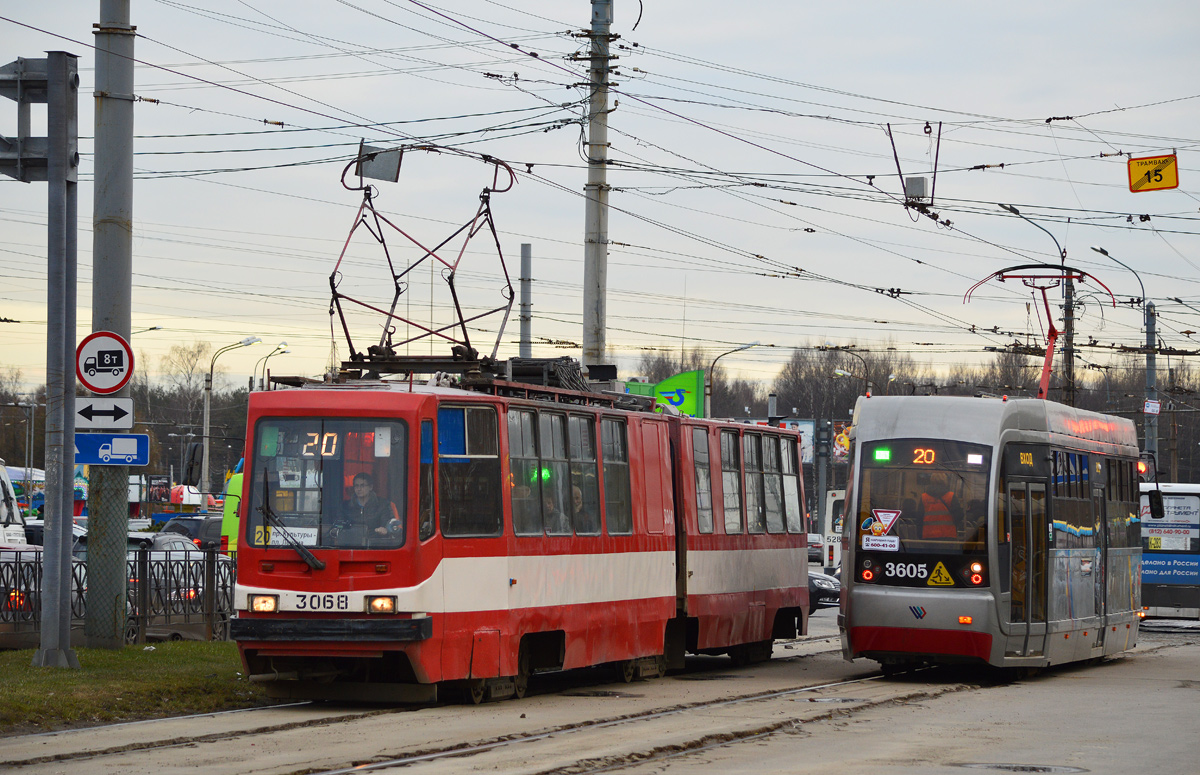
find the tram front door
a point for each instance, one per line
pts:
(1027, 570)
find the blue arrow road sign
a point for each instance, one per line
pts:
(112, 449)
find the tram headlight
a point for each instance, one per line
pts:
(977, 567)
(382, 604)
(264, 604)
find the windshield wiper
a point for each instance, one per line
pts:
(273, 519)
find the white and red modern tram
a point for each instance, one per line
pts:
(995, 531)
(399, 538)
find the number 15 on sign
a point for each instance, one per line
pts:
(1153, 173)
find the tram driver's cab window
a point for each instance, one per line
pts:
(469, 471)
(923, 496)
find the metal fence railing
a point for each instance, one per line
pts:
(169, 595)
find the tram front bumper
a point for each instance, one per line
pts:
(274, 630)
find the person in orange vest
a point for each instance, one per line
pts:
(940, 510)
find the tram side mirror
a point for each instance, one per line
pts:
(195, 460)
(1155, 500)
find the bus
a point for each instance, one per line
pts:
(1171, 551)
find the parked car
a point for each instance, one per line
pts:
(202, 529)
(824, 591)
(35, 531)
(177, 587)
(815, 548)
(144, 540)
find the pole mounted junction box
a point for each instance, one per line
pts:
(916, 188)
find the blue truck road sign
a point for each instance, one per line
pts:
(112, 449)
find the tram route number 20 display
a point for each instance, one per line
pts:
(320, 444)
(322, 602)
(906, 570)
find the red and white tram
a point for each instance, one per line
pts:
(398, 538)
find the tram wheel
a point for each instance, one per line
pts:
(521, 680)
(475, 690)
(627, 670)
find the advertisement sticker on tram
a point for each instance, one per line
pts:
(880, 524)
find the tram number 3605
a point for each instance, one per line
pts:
(906, 570)
(322, 602)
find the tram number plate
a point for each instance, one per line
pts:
(906, 570)
(322, 602)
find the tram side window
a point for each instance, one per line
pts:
(793, 509)
(731, 481)
(585, 484)
(1076, 525)
(525, 472)
(469, 471)
(703, 473)
(556, 496)
(425, 485)
(772, 485)
(752, 450)
(617, 501)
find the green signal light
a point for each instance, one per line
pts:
(883, 455)
(545, 474)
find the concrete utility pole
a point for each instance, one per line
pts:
(1068, 353)
(1151, 420)
(526, 345)
(595, 247)
(54, 159)
(112, 290)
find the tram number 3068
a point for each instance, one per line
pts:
(906, 570)
(322, 602)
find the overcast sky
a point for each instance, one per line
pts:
(755, 191)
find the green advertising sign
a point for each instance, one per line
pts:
(683, 391)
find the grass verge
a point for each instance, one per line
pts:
(174, 678)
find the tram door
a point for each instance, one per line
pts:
(1027, 570)
(1100, 564)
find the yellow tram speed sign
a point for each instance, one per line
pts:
(1153, 173)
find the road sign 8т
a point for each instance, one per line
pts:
(104, 362)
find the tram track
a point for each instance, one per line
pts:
(588, 766)
(249, 729)
(658, 731)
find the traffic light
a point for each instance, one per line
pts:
(1146, 468)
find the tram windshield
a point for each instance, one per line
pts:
(923, 496)
(323, 482)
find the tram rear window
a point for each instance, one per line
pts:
(923, 496)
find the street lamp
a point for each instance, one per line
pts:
(1062, 254)
(279, 350)
(1150, 420)
(843, 373)
(862, 360)
(265, 363)
(708, 376)
(208, 401)
(1068, 355)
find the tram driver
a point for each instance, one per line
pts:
(366, 509)
(940, 507)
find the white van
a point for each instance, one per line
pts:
(12, 524)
